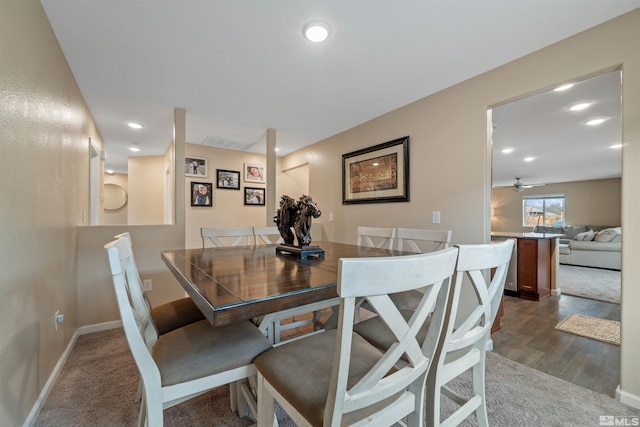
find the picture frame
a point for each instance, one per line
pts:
(254, 196)
(227, 180)
(196, 166)
(201, 194)
(253, 172)
(377, 174)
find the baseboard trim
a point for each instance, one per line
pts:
(37, 406)
(556, 292)
(627, 398)
(99, 327)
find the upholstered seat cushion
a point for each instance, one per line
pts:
(595, 246)
(175, 314)
(199, 349)
(301, 372)
(377, 333)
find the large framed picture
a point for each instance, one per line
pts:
(195, 166)
(253, 172)
(254, 196)
(228, 180)
(201, 194)
(377, 174)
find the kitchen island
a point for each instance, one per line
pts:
(534, 264)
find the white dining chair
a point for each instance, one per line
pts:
(267, 235)
(337, 378)
(226, 236)
(421, 241)
(171, 315)
(376, 237)
(464, 341)
(186, 362)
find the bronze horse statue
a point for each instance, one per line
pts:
(297, 215)
(286, 217)
(307, 209)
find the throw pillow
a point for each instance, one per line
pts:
(586, 236)
(606, 235)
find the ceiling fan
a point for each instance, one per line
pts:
(519, 186)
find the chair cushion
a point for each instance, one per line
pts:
(377, 333)
(175, 314)
(301, 372)
(199, 349)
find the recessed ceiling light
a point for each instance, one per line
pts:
(529, 159)
(596, 122)
(507, 151)
(109, 171)
(135, 125)
(615, 146)
(135, 149)
(581, 106)
(564, 87)
(276, 149)
(316, 31)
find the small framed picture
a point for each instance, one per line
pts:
(201, 194)
(253, 172)
(254, 196)
(195, 166)
(228, 180)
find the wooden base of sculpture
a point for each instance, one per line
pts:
(300, 252)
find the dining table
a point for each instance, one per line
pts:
(231, 284)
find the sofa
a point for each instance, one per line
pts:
(588, 245)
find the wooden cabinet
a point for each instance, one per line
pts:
(534, 268)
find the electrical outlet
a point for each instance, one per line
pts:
(436, 217)
(330, 216)
(147, 284)
(57, 319)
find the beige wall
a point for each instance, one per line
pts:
(44, 175)
(596, 202)
(146, 190)
(119, 216)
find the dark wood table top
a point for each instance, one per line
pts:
(242, 282)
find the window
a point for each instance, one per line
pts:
(543, 210)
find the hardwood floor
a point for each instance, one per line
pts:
(528, 336)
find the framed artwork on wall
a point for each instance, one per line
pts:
(201, 194)
(228, 180)
(377, 174)
(195, 166)
(253, 172)
(254, 196)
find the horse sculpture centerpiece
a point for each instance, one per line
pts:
(297, 216)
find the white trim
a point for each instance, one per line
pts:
(99, 327)
(556, 292)
(627, 398)
(37, 406)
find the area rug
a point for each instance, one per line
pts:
(592, 283)
(591, 327)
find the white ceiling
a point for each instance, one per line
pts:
(239, 67)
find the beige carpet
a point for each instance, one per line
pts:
(592, 283)
(591, 327)
(98, 382)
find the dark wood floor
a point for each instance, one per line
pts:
(528, 336)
